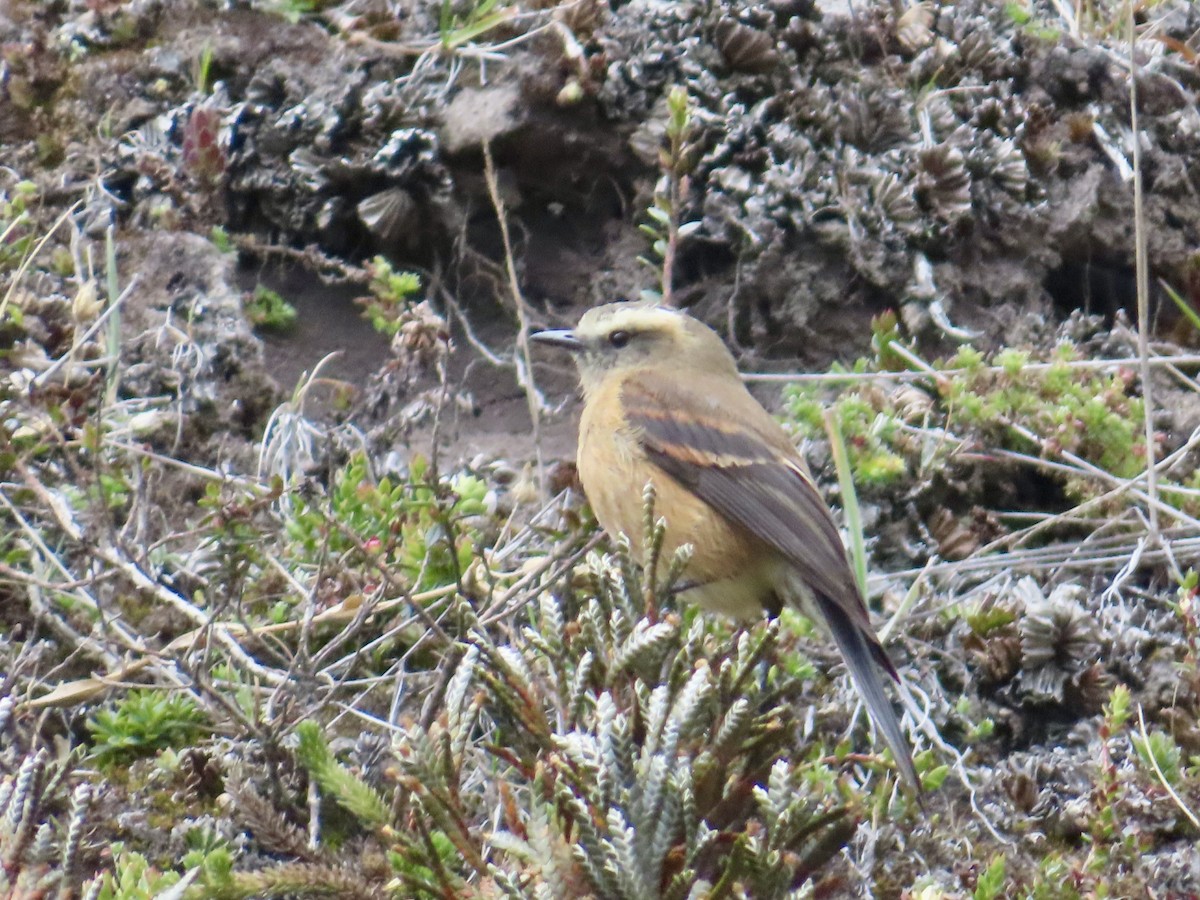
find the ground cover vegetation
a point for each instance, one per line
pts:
(265, 645)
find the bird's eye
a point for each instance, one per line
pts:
(619, 339)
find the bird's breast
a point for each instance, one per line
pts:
(733, 571)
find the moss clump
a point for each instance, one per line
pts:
(1009, 400)
(142, 722)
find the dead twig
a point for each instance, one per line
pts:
(524, 361)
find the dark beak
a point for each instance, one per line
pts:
(563, 338)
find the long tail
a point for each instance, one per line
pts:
(867, 661)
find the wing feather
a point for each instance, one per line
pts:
(717, 441)
(748, 471)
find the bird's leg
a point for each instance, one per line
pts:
(680, 587)
(773, 604)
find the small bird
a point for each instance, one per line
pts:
(663, 403)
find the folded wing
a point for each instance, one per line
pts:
(732, 455)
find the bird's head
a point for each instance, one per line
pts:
(619, 337)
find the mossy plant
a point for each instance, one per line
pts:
(393, 292)
(134, 878)
(869, 433)
(414, 526)
(266, 309)
(1007, 400)
(221, 239)
(990, 885)
(1083, 412)
(359, 798)
(142, 722)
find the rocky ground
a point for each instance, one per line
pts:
(287, 624)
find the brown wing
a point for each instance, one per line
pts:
(712, 437)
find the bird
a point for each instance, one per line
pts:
(664, 404)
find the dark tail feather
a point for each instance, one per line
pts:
(867, 662)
